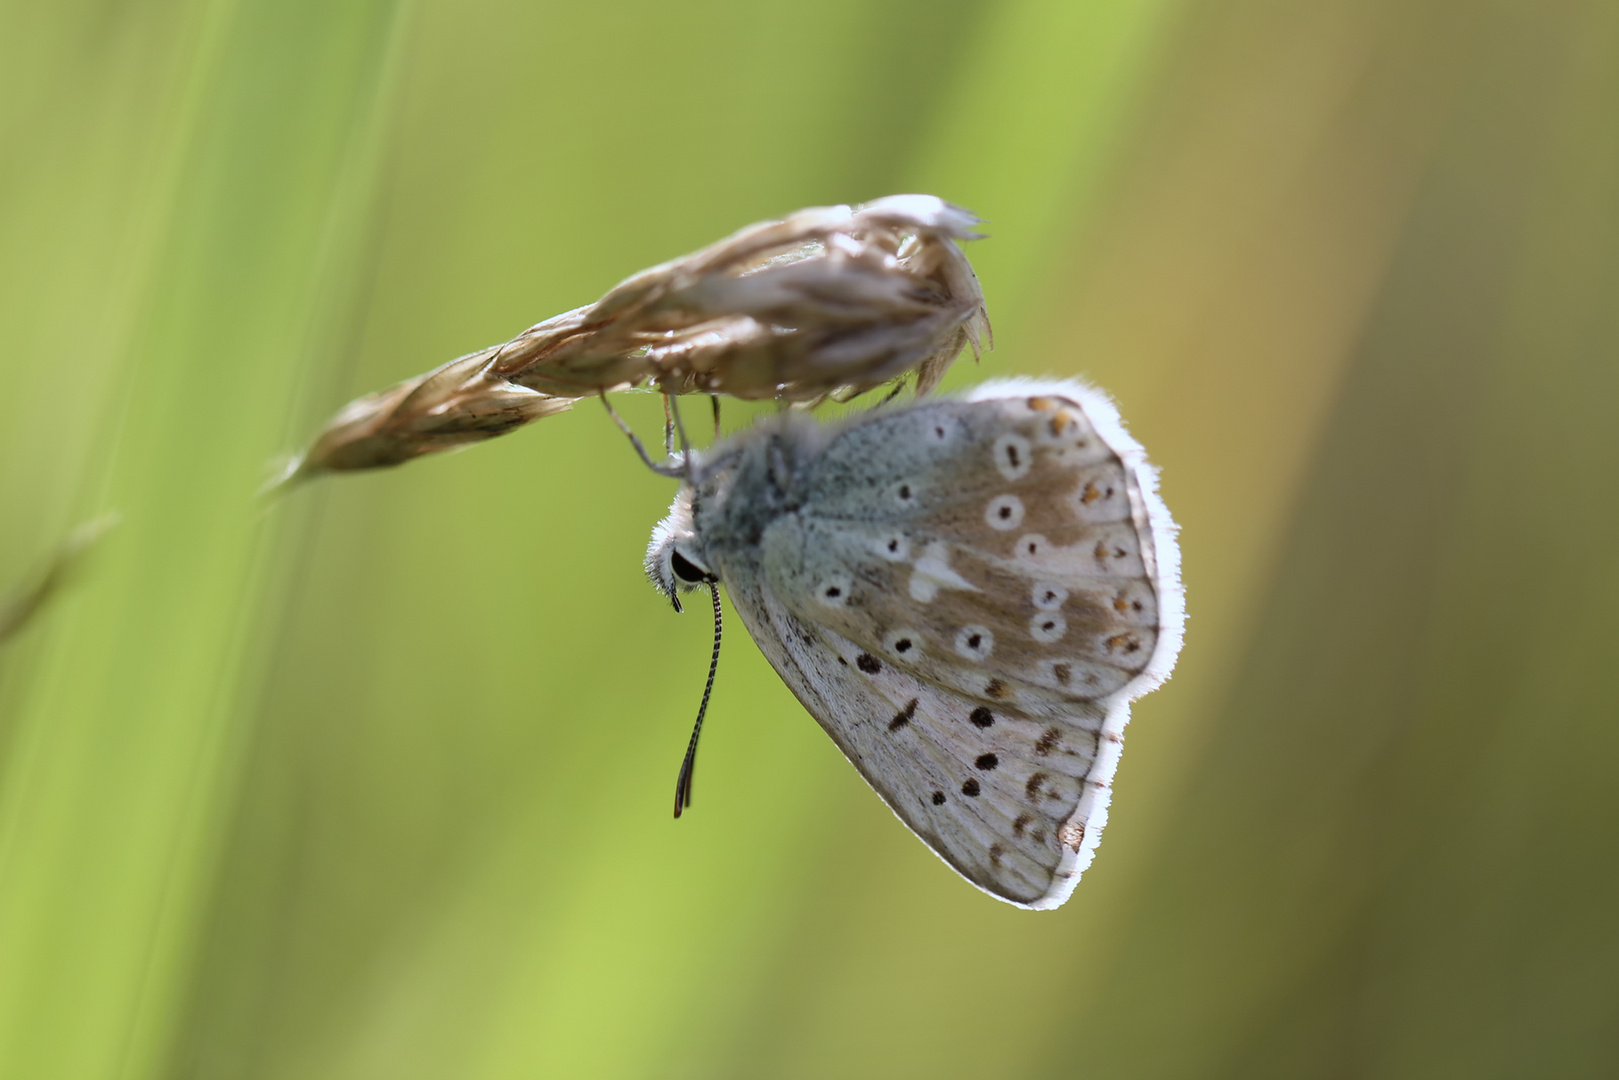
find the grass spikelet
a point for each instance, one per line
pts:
(24, 601)
(826, 302)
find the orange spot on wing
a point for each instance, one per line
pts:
(1123, 642)
(1072, 835)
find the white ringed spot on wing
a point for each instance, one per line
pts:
(975, 642)
(906, 644)
(833, 591)
(1013, 456)
(1047, 626)
(1004, 512)
(1048, 595)
(895, 547)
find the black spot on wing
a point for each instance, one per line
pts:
(982, 717)
(868, 663)
(903, 717)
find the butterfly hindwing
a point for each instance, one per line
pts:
(1007, 828)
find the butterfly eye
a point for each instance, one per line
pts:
(687, 571)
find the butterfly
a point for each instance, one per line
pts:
(966, 593)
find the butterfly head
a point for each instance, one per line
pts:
(675, 561)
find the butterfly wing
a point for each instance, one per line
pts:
(968, 600)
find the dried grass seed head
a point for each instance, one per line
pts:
(828, 301)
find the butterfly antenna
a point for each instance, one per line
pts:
(635, 441)
(683, 783)
(668, 429)
(714, 400)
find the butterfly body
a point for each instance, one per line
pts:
(966, 594)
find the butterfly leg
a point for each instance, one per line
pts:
(685, 443)
(635, 441)
(899, 388)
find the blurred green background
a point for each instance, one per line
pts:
(375, 783)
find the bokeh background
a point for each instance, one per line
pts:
(375, 782)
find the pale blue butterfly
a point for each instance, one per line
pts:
(967, 594)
